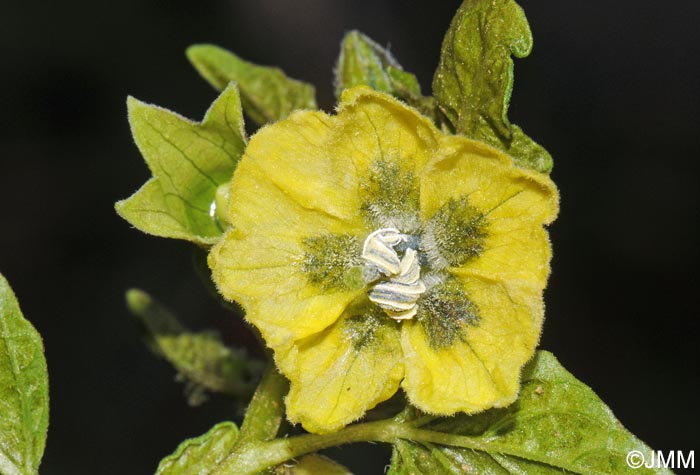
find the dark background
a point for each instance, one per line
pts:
(611, 90)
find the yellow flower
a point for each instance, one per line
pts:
(374, 252)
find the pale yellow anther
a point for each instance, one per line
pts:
(399, 295)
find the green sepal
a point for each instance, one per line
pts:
(201, 455)
(362, 61)
(201, 359)
(315, 464)
(403, 84)
(557, 425)
(267, 93)
(189, 161)
(474, 78)
(24, 389)
(312, 464)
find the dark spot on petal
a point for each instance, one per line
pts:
(330, 260)
(391, 195)
(455, 234)
(366, 324)
(445, 312)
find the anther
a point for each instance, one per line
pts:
(398, 295)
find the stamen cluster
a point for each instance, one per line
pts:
(398, 295)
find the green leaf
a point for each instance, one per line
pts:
(474, 79)
(201, 359)
(189, 161)
(268, 94)
(527, 153)
(24, 390)
(201, 455)
(557, 425)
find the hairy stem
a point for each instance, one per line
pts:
(257, 456)
(266, 410)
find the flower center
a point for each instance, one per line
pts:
(398, 293)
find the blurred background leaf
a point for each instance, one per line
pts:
(201, 360)
(267, 93)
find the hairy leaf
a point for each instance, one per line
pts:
(557, 425)
(201, 455)
(24, 390)
(189, 161)
(268, 94)
(474, 79)
(200, 358)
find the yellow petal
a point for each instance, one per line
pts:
(296, 156)
(375, 125)
(483, 370)
(278, 300)
(504, 280)
(516, 204)
(390, 145)
(303, 178)
(445, 380)
(339, 374)
(490, 181)
(259, 263)
(322, 162)
(514, 258)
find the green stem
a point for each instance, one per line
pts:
(249, 459)
(265, 412)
